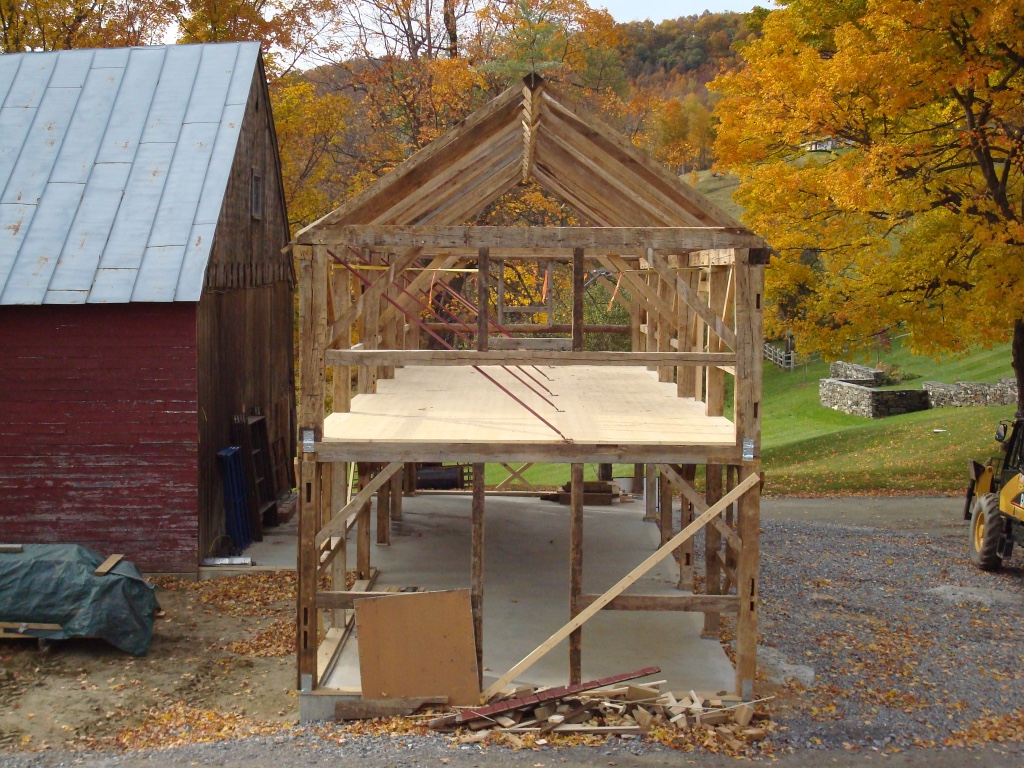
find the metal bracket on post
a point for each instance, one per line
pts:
(308, 441)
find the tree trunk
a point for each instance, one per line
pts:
(1018, 363)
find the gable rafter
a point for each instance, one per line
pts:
(614, 144)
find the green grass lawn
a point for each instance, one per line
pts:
(811, 450)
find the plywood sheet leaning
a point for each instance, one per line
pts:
(418, 644)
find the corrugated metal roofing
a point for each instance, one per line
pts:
(113, 169)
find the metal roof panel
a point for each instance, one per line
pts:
(14, 223)
(39, 152)
(33, 75)
(14, 125)
(131, 107)
(245, 69)
(72, 69)
(130, 234)
(112, 286)
(184, 184)
(206, 103)
(92, 115)
(167, 112)
(158, 275)
(223, 157)
(193, 267)
(44, 240)
(91, 228)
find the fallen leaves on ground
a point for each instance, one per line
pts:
(180, 724)
(276, 639)
(990, 728)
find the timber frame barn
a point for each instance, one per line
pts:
(694, 277)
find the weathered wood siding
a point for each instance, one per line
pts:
(98, 429)
(245, 333)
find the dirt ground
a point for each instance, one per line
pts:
(217, 684)
(220, 647)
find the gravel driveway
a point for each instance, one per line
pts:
(877, 639)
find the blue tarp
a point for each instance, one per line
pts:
(55, 584)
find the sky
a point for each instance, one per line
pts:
(658, 10)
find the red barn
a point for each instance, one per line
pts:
(144, 297)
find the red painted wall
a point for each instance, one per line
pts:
(99, 430)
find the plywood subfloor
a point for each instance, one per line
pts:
(619, 405)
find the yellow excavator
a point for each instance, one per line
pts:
(995, 499)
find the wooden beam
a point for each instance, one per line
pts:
(577, 299)
(644, 292)
(598, 239)
(435, 357)
(483, 269)
(336, 526)
(551, 452)
(531, 118)
(476, 589)
(697, 603)
(575, 571)
(622, 585)
(536, 327)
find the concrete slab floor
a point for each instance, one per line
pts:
(526, 592)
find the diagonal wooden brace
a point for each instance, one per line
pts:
(687, 294)
(680, 484)
(336, 527)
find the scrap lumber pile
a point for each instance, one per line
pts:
(612, 707)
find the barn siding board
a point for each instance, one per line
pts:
(106, 458)
(245, 341)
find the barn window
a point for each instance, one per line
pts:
(256, 195)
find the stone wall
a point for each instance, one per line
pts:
(860, 374)
(870, 403)
(963, 394)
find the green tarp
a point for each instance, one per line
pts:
(55, 584)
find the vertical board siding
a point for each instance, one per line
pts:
(98, 430)
(244, 327)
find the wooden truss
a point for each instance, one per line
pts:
(689, 275)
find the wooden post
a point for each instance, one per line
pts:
(685, 552)
(384, 514)
(341, 293)
(363, 528)
(665, 330)
(651, 493)
(699, 333)
(718, 286)
(576, 571)
(477, 566)
(604, 472)
(306, 623)
(747, 409)
(339, 564)
(684, 341)
(665, 508)
(577, 299)
(501, 292)
(397, 483)
(712, 547)
(483, 291)
(638, 478)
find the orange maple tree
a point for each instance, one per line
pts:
(880, 146)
